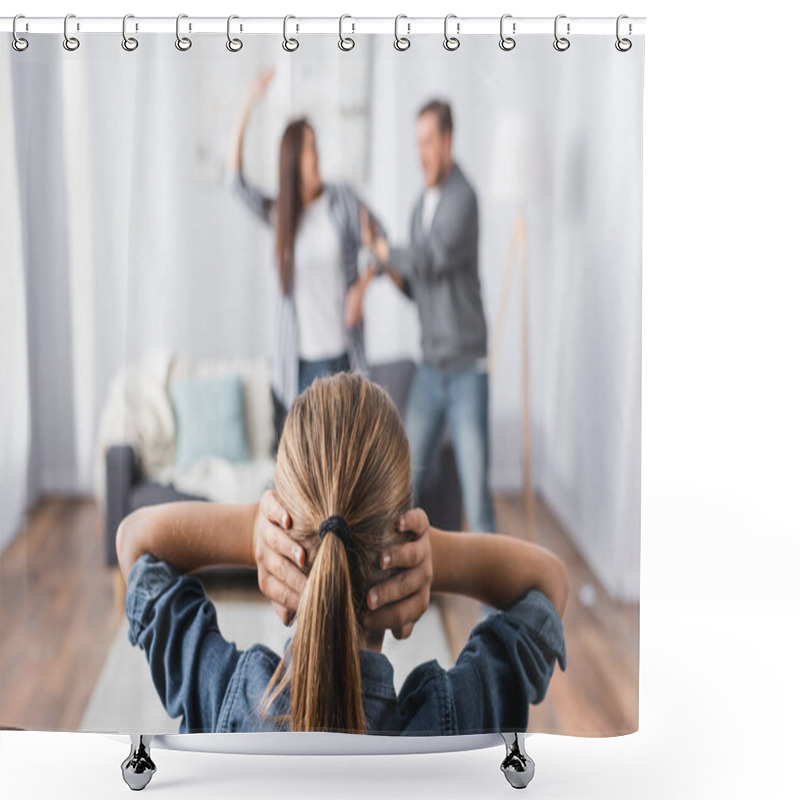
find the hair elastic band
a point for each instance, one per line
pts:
(337, 525)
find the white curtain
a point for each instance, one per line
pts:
(133, 240)
(14, 390)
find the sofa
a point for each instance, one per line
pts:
(135, 473)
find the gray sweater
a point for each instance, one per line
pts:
(440, 271)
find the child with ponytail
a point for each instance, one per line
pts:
(339, 548)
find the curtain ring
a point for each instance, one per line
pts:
(507, 42)
(451, 42)
(70, 42)
(129, 43)
(233, 45)
(289, 44)
(401, 43)
(561, 43)
(346, 43)
(19, 44)
(183, 43)
(623, 45)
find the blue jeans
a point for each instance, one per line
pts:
(319, 369)
(462, 399)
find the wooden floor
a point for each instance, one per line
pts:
(60, 610)
(58, 616)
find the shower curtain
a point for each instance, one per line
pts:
(147, 356)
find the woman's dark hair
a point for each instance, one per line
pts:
(290, 202)
(343, 452)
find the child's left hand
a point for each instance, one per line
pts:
(278, 557)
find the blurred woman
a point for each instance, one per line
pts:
(316, 317)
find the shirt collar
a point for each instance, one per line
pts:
(377, 674)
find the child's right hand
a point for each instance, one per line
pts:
(398, 602)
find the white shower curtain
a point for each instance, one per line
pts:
(137, 257)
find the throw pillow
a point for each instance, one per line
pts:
(209, 420)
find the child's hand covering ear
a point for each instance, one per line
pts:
(398, 602)
(278, 557)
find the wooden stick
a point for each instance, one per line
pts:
(518, 244)
(501, 309)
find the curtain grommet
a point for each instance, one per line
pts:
(346, 43)
(289, 44)
(401, 43)
(451, 43)
(507, 43)
(183, 43)
(70, 43)
(561, 43)
(18, 42)
(233, 44)
(623, 44)
(129, 43)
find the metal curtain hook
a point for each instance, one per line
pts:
(182, 42)
(346, 42)
(19, 44)
(401, 43)
(234, 45)
(129, 43)
(561, 43)
(289, 44)
(70, 42)
(507, 42)
(451, 42)
(623, 45)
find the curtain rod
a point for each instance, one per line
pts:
(300, 25)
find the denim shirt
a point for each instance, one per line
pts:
(505, 665)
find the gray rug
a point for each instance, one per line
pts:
(124, 699)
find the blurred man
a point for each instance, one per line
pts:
(439, 270)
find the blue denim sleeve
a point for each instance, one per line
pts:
(506, 665)
(175, 623)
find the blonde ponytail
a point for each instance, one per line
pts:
(343, 455)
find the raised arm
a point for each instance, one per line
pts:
(257, 201)
(495, 569)
(188, 535)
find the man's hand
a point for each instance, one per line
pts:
(278, 557)
(381, 249)
(370, 239)
(400, 601)
(367, 231)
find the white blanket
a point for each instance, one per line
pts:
(222, 481)
(138, 412)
